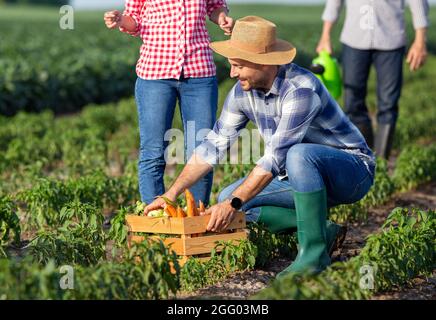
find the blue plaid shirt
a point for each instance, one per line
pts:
(297, 109)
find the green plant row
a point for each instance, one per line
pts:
(144, 273)
(90, 196)
(404, 249)
(98, 137)
(43, 202)
(77, 237)
(233, 257)
(414, 166)
(63, 70)
(10, 229)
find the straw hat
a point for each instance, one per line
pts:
(254, 39)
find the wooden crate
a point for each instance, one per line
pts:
(194, 241)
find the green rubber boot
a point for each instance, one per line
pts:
(283, 220)
(278, 219)
(313, 257)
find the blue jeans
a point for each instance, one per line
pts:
(388, 64)
(312, 167)
(156, 103)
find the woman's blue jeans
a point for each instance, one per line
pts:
(156, 103)
(312, 167)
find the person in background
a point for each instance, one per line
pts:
(175, 63)
(374, 32)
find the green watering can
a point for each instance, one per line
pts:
(326, 68)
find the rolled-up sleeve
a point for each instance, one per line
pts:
(299, 109)
(332, 10)
(212, 5)
(420, 10)
(224, 133)
(133, 9)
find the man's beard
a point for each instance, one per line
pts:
(258, 85)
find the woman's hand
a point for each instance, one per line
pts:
(226, 23)
(113, 19)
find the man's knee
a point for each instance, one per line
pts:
(225, 193)
(298, 158)
(298, 153)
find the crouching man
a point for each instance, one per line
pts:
(315, 158)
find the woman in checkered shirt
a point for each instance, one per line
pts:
(175, 64)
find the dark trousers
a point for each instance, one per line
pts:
(388, 64)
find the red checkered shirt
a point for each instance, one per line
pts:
(174, 37)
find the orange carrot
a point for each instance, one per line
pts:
(190, 202)
(172, 212)
(191, 207)
(201, 208)
(180, 213)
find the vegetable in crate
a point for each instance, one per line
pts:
(190, 203)
(140, 206)
(157, 213)
(180, 213)
(170, 210)
(201, 207)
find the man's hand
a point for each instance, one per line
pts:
(417, 55)
(113, 19)
(157, 204)
(222, 214)
(226, 23)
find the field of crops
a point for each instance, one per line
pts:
(67, 179)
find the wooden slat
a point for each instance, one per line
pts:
(193, 246)
(199, 224)
(188, 225)
(155, 225)
(238, 222)
(207, 243)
